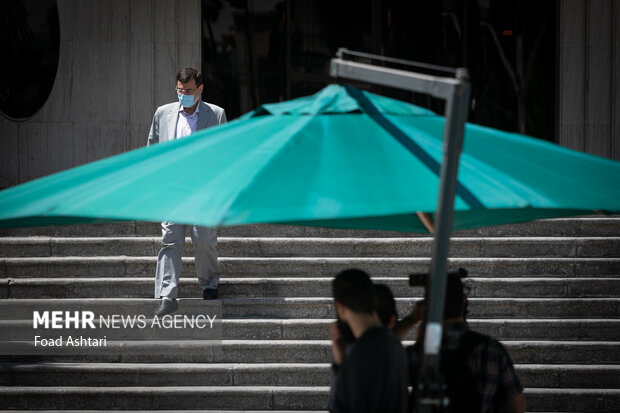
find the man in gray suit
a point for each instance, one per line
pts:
(175, 121)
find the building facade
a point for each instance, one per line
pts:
(548, 69)
(117, 63)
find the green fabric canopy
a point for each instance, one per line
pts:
(340, 158)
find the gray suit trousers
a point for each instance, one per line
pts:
(169, 258)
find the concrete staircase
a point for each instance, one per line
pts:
(549, 290)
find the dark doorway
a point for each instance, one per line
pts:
(259, 51)
(29, 45)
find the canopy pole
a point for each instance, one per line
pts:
(426, 220)
(430, 392)
(431, 386)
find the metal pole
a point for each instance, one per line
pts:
(430, 385)
(456, 92)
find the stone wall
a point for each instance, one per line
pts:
(589, 76)
(118, 60)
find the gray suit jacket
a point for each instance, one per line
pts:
(164, 123)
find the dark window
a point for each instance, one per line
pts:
(259, 51)
(29, 45)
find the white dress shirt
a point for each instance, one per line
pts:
(186, 124)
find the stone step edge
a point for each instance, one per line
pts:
(528, 352)
(327, 260)
(200, 411)
(472, 321)
(293, 329)
(193, 411)
(266, 300)
(176, 411)
(34, 390)
(190, 367)
(559, 240)
(327, 343)
(239, 287)
(569, 262)
(353, 243)
(100, 267)
(303, 280)
(339, 240)
(265, 343)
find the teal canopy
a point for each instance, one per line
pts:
(340, 158)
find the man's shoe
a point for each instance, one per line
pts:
(209, 293)
(166, 307)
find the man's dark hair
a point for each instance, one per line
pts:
(385, 303)
(354, 290)
(187, 74)
(455, 304)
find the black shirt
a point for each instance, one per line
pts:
(374, 376)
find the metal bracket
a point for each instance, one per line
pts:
(440, 87)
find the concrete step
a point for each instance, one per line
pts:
(312, 329)
(150, 229)
(300, 287)
(503, 329)
(318, 307)
(254, 397)
(318, 247)
(257, 374)
(572, 400)
(569, 376)
(478, 307)
(174, 397)
(182, 411)
(193, 411)
(558, 315)
(594, 226)
(181, 374)
(316, 351)
(122, 266)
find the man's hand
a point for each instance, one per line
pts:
(516, 405)
(338, 344)
(402, 328)
(419, 311)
